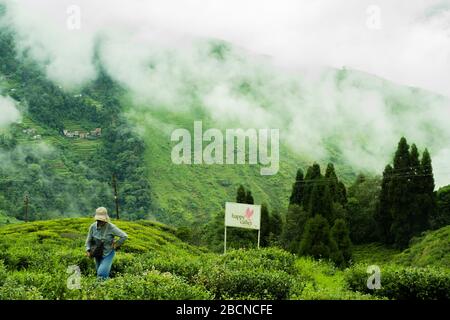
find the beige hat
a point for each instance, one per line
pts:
(101, 214)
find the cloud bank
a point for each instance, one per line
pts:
(8, 112)
(276, 72)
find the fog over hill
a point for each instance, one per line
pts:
(261, 66)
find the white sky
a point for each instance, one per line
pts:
(411, 47)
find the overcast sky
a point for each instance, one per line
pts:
(404, 41)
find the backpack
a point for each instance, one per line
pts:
(97, 246)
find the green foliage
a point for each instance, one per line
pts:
(250, 274)
(316, 240)
(403, 283)
(433, 248)
(151, 285)
(297, 189)
(65, 176)
(407, 200)
(321, 280)
(296, 218)
(313, 199)
(241, 196)
(361, 206)
(152, 264)
(441, 217)
(340, 235)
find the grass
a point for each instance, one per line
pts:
(433, 248)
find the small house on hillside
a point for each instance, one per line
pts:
(83, 134)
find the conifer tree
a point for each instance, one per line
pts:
(297, 189)
(276, 226)
(321, 201)
(241, 196)
(414, 193)
(341, 235)
(293, 227)
(316, 240)
(401, 227)
(312, 174)
(249, 198)
(427, 199)
(332, 181)
(383, 215)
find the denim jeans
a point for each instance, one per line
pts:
(103, 265)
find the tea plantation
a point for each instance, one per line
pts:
(155, 264)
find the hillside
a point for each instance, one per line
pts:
(431, 249)
(69, 177)
(154, 264)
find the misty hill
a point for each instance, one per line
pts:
(321, 118)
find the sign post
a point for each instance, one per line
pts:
(241, 215)
(225, 241)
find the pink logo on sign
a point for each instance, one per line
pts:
(249, 213)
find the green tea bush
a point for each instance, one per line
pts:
(249, 283)
(184, 265)
(49, 286)
(398, 282)
(150, 286)
(266, 258)
(13, 292)
(3, 273)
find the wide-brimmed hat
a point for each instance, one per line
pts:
(101, 214)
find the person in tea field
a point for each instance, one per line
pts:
(101, 243)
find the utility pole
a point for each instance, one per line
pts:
(26, 202)
(116, 198)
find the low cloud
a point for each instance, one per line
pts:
(277, 71)
(8, 112)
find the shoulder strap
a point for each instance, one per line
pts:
(104, 232)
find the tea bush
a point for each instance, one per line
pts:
(153, 264)
(399, 282)
(226, 283)
(150, 286)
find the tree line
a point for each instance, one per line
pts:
(324, 218)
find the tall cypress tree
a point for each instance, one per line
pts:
(320, 202)
(332, 181)
(241, 196)
(383, 215)
(401, 228)
(415, 199)
(427, 195)
(407, 200)
(312, 174)
(297, 189)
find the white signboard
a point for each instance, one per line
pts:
(241, 215)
